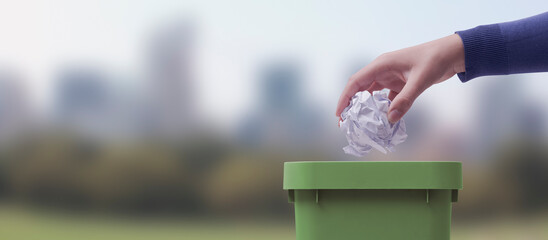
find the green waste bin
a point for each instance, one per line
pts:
(373, 200)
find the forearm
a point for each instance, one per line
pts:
(506, 48)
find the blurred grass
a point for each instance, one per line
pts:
(22, 223)
(19, 223)
(534, 228)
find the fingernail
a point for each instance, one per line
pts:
(394, 115)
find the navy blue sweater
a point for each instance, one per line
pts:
(505, 48)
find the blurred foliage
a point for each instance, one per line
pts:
(511, 182)
(209, 176)
(205, 176)
(2, 176)
(522, 168)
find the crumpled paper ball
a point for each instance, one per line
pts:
(365, 123)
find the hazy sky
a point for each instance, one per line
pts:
(234, 38)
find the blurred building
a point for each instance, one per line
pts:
(15, 109)
(531, 122)
(85, 102)
(281, 117)
(504, 113)
(89, 101)
(169, 81)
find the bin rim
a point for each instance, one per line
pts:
(372, 175)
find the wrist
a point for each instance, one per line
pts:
(456, 53)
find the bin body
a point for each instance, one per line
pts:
(373, 200)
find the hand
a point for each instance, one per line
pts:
(407, 73)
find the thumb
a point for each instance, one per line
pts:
(403, 101)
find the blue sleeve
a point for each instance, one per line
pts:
(505, 48)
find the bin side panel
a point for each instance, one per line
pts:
(373, 214)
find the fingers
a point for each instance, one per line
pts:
(403, 100)
(375, 87)
(358, 82)
(349, 91)
(392, 95)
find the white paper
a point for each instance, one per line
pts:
(365, 123)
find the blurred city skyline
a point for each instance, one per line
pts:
(229, 48)
(225, 63)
